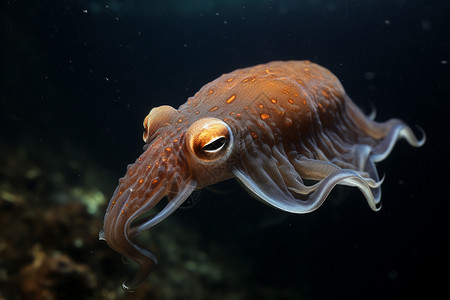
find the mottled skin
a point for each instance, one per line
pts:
(270, 126)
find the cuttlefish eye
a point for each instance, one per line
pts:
(209, 140)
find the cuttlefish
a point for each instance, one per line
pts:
(287, 131)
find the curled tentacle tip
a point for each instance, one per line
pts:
(373, 113)
(128, 288)
(380, 182)
(377, 206)
(101, 235)
(423, 139)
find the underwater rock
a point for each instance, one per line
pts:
(54, 276)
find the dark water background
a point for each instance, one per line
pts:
(78, 77)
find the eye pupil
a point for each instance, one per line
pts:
(215, 145)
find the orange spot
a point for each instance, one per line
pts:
(120, 193)
(148, 167)
(175, 140)
(168, 149)
(264, 116)
(320, 105)
(253, 79)
(121, 212)
(304, 101)
(131, 172)
(230, 80)
(180, 120)
(141, 180)
(325, 94)
(273, 100)
(291, 101)
(246, 107)
(211, 91)
(246, 79)
(213, 109)
(231, 99)
(155, 181)
(197, 112)
(288, 122)
(301, 82)
(139, 159)
(260, 106)
(238, 115)
(296, 94)
(285, 91)
(254, 135)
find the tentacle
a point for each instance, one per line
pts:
(145, 258)
(373, 113)
(322, 169)
(373, 173)
(287, 171)
(349, 178)
(397, 130)
(171, 206)
(119, 238)
(304, 203)
(313, 169)
(152, 177)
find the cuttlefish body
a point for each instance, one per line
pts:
(270, 126)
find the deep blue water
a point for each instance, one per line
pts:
(90, 71)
